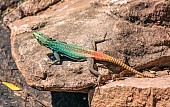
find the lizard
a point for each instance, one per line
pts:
(79, 53)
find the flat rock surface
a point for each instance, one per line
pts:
(162, 82)
(126, 95)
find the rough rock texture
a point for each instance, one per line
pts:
(140, 36)
(29, 7)
(127, 93)
(9, 72)
(32, 59)
(28, 96)
(85, 23)
(143, 35)
(147, 47)
(143, 12)
(7, 5)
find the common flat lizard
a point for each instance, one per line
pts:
(79, 53)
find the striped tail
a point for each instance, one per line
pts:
(123, 65)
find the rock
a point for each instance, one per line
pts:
(32, 59)
(142, 39)
(130, 93)
(150, 46)
(9, 72)
(29, 7)
(141, 53)
(4, 4)
(143, 12)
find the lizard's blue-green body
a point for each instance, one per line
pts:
(79, 53)
(71, 51)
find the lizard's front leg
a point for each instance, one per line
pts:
(57, 59)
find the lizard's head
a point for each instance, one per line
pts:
(41, 38)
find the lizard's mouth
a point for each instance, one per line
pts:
(36, 35)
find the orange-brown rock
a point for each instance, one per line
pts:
(140, 35)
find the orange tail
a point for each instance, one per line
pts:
(103, 57)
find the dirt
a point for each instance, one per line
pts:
(7, 97)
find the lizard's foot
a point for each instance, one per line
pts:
(102, 40)
(98, 81)
(54, 63)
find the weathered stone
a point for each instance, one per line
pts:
(141, 53)
(9, 72)
(29, 7)
(143, 45)
(85, 23)
(143, 12)
(136, 92)
(147, 47)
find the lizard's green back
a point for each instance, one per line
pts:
(72, 51)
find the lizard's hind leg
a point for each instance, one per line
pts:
(90, 63)
(90, 60)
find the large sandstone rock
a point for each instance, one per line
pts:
(139, 39)
(134, 92)
(77, 25)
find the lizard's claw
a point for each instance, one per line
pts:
(99, 79)
(54, 63)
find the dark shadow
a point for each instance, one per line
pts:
(52, 57)
(69, 99)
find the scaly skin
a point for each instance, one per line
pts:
(79, 53)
